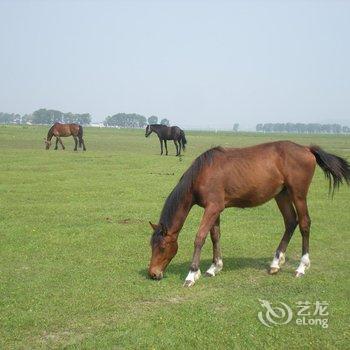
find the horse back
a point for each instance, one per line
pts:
(251, 176)
(63, 130)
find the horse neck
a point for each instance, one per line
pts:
(50, 134)
(157, 129)
(180, 216)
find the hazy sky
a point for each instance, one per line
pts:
(197, 63)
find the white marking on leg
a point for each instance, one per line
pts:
(277, 262)
(192, 277)
(211, 270)
(214, 269)
(304, 264)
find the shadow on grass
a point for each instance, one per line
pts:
(230, 264)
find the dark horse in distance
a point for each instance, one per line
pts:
(63, 130)
(166, 133)
(244, 178)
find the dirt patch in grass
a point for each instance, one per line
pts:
(164, 174)
(129, 221)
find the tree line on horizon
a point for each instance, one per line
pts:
(133, 120)
(302, 128)
(46, 117)
(50, 116)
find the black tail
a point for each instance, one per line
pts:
(183, 139)
(335, 168)
(80, 136)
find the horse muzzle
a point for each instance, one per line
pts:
(155, 275)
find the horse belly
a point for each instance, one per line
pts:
(251, 193)
(64, 134)
(250, 200)
(62, 131)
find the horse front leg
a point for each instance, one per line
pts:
(56, 145)
(211, 214)
(217, 264)
(166, 147)
(161, 146)
(60, 141)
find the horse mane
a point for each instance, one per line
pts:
(159, 126)
(183, 187)
(50, 132)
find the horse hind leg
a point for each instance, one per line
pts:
(82, 143)
(304, 226)
(176, 146)
(287, 210)
(217, 264)
(179, 151)
(76, 143)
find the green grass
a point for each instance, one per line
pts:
(74, 249)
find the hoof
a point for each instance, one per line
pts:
(188, 283)
(192, 278)
(300, 271)
(273, 270)
(214, 269)
(209, 274)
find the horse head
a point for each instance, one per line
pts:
(148, 130)
(47, 143)
(164, 248)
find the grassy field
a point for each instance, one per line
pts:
(74, 251)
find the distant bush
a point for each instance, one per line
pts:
(124, 120)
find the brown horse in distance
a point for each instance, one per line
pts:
(64, 130)
(243, 177)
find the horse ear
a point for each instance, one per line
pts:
(154, 227)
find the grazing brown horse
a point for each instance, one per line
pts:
(166, 133)
(63, 130)
(243, 177)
